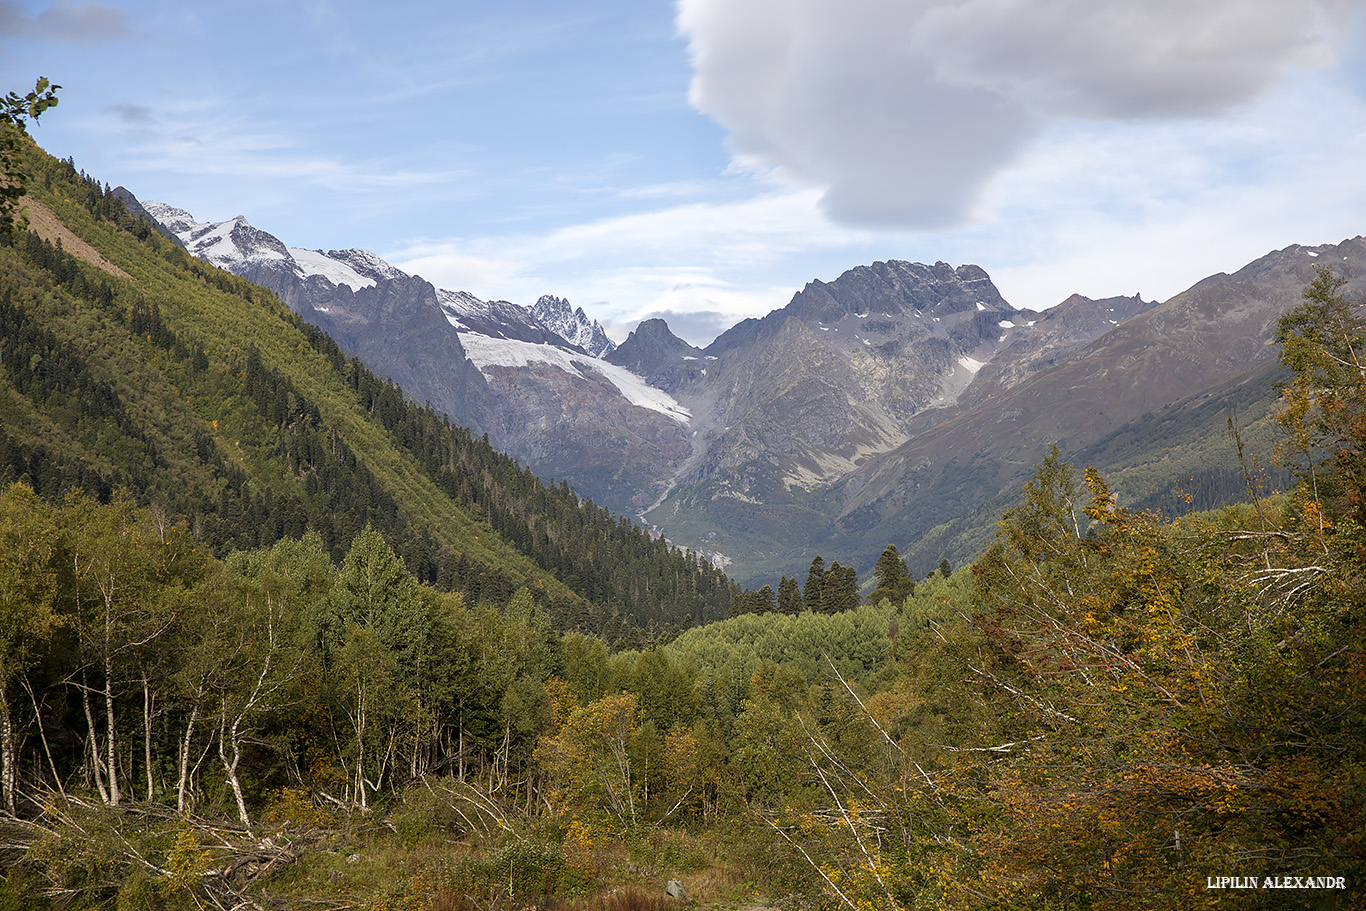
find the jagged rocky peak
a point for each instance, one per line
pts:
(652, 342)
(573, 325)
(896, 287)
(1110, 311)
(888, 304)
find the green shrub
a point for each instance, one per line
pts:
(520, 870)
(19, 891)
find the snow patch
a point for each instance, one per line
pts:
(316, 262)
(972, 365)
(488, 352)
(1006, 324)
(981, 306)
(456, 304)
(1311, 252)
(367, 264)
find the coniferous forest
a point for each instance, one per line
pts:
(272, 636)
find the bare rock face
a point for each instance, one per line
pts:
(663, 359)
(578, 426)
(399, 330)
(1057, 333)
(789, 404)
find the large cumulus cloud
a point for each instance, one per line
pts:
(903, 110)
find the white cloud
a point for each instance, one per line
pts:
(734, 259)
(901, 111)
(1102, 209)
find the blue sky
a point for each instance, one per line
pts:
(703, 160)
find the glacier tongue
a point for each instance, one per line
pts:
(497, 352)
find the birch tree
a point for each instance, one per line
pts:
(129, 581)
(30, 575)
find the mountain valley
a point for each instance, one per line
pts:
(875, 408)
(279, 635)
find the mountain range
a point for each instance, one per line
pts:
(896, 404)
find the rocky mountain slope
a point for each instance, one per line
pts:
(531, 379)
(797, 402)
(1219, 330)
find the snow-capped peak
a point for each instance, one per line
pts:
(169, 217)
(226, 244)
(573, 326)
(234, 243)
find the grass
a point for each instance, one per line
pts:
(606, 873)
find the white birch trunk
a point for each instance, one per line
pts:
(183, 760)
(110, 730)
(96, 769)
(230, 767)
(147, 734)
(8, 774)
(112, 769)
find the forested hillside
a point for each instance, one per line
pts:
(204, 397)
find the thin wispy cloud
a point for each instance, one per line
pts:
(699, 258)
(138, 115)
(74, 23)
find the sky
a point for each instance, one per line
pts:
(702, 160)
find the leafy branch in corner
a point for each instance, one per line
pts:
(15, 112)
